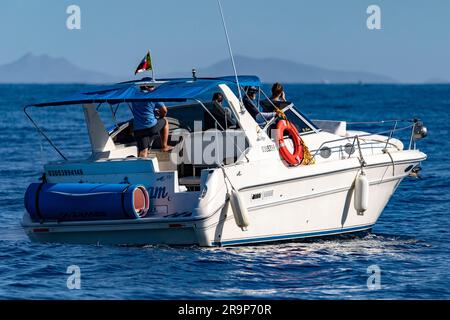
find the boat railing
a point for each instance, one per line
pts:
(354, 140)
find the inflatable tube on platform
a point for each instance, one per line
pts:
(85, 202)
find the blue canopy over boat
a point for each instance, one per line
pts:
(169, 90)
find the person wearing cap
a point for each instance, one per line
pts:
(250, 105)
(248, 99)
(146, 124)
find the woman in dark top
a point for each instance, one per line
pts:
(278, 99)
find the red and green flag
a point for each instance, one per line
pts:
(145, 65)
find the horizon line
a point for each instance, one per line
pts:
(168, 74)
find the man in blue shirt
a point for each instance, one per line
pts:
(147, 125)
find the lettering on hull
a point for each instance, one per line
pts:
(157, 192)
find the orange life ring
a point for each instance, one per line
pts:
(295, 158)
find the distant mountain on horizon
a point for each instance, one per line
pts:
(275, 69)
(42, 69)
(45, 69)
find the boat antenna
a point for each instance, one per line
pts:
(231, 54)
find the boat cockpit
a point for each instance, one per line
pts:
(197, 147)
(187, 127)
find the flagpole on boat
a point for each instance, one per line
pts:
(151, 63)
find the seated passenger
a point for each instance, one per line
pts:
(221, 114)
(249, 97)
(250, 105)
(278, 99)
(147, 125)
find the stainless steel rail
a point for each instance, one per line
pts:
(356, 138)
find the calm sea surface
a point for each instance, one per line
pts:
(410, 243)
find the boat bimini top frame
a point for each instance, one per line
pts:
(167, 90)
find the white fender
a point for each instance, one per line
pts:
(361, 195)
(239, 210)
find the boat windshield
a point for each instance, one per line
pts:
(302, 123)
(193, 117)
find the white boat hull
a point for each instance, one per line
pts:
(319, 204)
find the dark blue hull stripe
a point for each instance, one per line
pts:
(293, 236)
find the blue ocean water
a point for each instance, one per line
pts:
(410, 243)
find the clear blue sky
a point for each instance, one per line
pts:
(413, 45)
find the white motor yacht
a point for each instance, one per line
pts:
(251, 182)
